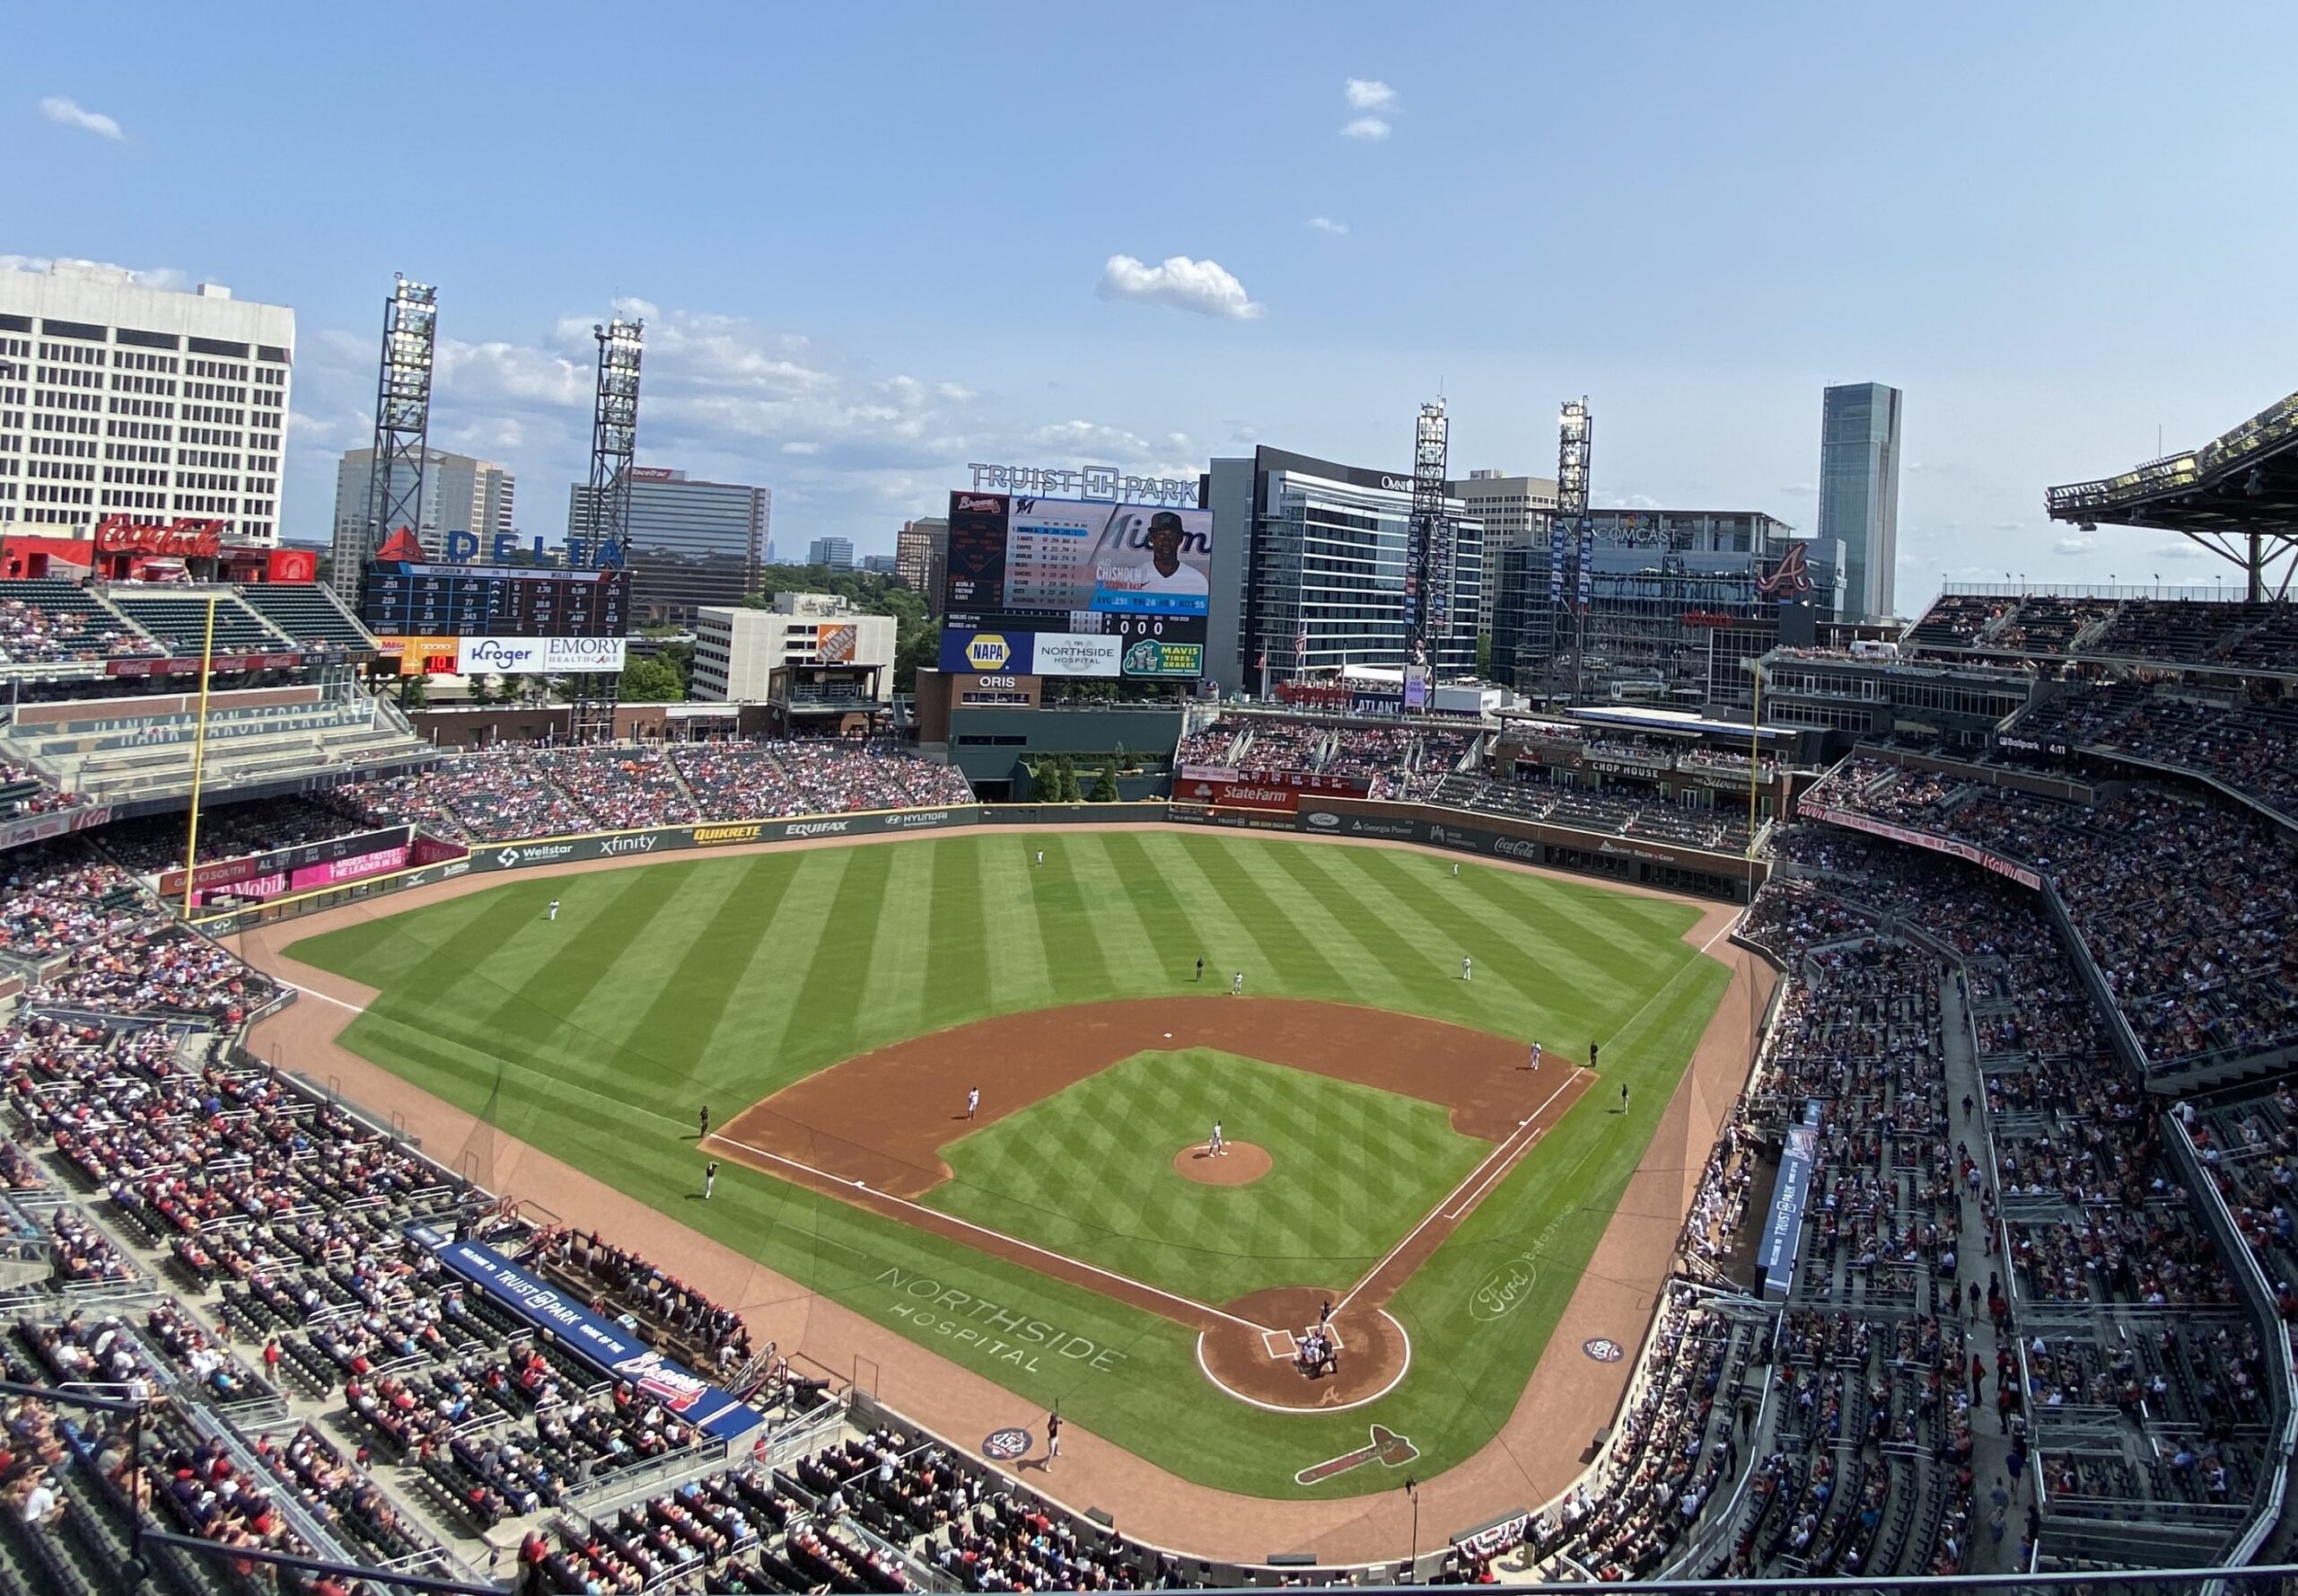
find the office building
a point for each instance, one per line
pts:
(459, 495)
(1859, 490)
(1675, 601)
(837, 553)
(810, 651)
(119, 400)
(1309, 571)
(922, 557)
(1514, 511)
(879, 565)
(692, 543)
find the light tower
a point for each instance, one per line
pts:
(614, 441)
(402, 424)
(1573, 536)
(614, 435)
(1428, 542)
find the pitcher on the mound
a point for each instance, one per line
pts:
(1217, 1147)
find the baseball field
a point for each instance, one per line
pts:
(1390, 1151)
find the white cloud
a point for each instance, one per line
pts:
(70, 113)
(2182, 551)
(1204, 287)
(1368, 93)
(1800, 490)
(1632, 501)
(1366, 127)
(1327, 224)
(157, 276)
(2073, 546)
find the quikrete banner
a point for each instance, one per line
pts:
(599, 1342)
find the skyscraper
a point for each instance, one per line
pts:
(691, 542)
(1859, 490)
(837, 553)
(140, 402)
(459, 495)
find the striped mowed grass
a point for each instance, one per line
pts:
(1089, 1173)
(663, 987)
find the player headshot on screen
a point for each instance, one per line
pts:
(1166, 574)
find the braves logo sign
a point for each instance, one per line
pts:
(1390, 1450)
(1790, 578)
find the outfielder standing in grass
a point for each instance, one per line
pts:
(1237, 986)
(702, 1123)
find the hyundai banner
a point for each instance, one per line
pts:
(599, 1342)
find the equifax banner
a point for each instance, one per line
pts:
(544, 656)
(599, 1341)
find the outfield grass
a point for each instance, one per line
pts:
(1089, 1173)
(721, 980)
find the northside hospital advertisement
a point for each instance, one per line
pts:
(1074, 587)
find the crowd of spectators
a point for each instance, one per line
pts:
(155, 844)
(2187, 908)
(1612, 811)
(2249, 744)
(57, 628)
(520, 790)
(1397, 758)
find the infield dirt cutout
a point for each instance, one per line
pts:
(870, 1131)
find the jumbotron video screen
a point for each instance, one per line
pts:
(1076, 587)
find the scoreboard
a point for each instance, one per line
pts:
(406, 599)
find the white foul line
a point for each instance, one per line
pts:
(323, 997)
(983, 1229)
(1502, 1153)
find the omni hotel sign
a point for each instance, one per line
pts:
(1086, 482)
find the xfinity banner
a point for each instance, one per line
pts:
(543, 656)
(599, 1342)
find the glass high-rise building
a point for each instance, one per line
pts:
(1309, 571)
(1859, 491)
(691, 543)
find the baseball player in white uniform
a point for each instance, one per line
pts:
(1536, 1058)
(1466, 970)
(1237, 985)
(973, 1101)
(1217, 1147)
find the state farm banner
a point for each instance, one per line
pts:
(1238, 794)
(2028, 879)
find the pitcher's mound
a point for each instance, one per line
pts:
(1241, 1163)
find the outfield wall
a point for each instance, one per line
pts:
(1599, 855)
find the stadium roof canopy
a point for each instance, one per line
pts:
(2236, 497)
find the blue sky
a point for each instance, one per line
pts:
(875, 243)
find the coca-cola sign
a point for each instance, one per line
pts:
(180, 540)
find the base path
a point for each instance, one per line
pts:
(1532, 1458)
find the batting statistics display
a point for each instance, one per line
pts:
(1085, 587)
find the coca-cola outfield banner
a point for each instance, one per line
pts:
(1997, 862)
(174, 665)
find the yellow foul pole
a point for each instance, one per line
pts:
(198, 759)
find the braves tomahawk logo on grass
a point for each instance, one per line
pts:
(1392, 1450)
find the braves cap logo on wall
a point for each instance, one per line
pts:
(1006, 1445)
